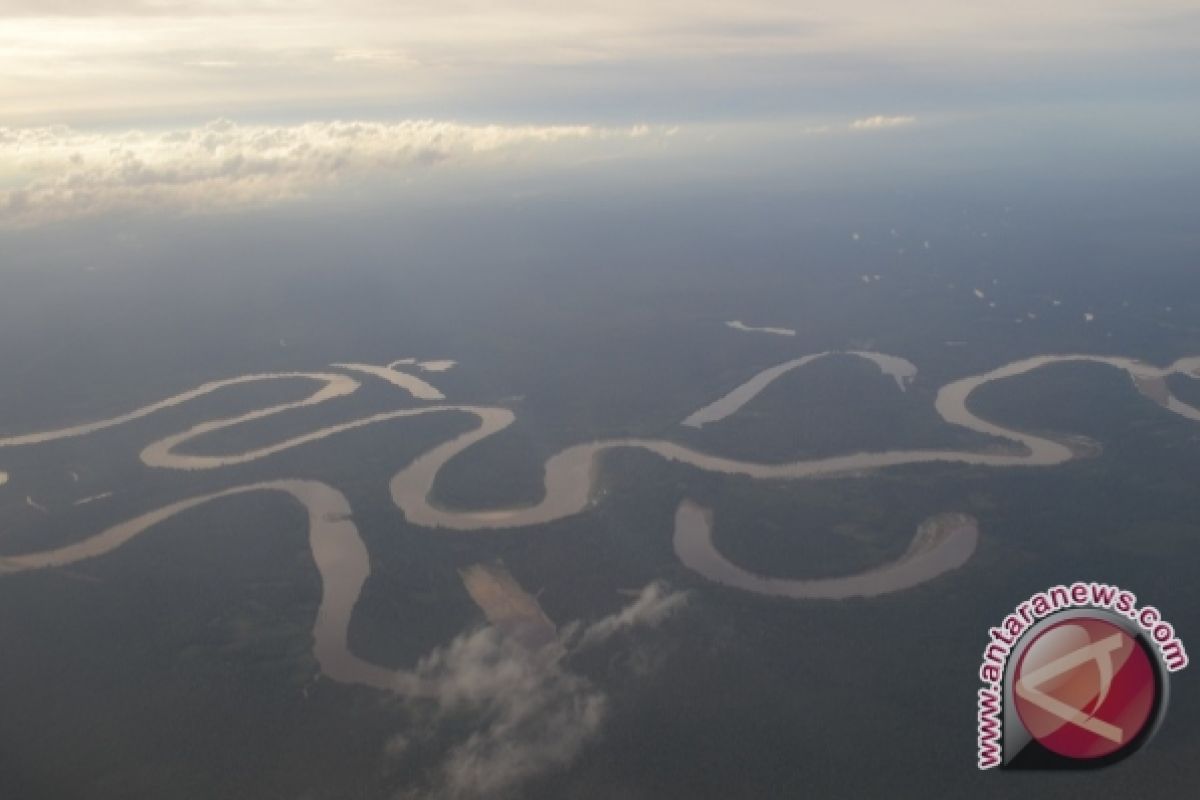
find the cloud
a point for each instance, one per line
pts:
(528, 712)
(654, 604)
(876, 122)
(531, 714)
(62, 173)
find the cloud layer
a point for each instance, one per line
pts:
(57, 173)
(54, 173)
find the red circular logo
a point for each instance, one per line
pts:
(1084, 688)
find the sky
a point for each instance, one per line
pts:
(162, 104)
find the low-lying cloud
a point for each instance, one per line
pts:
(528, 712)
(655, 603)
(877, 122)
(55, 173)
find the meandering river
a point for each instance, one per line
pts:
(942, 543)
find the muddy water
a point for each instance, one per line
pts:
(338, 552)
(942, 543)
(343, 563)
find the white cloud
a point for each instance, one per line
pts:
(876, 122)
(58, 173)
(654, 604)
(367, 56)
(534, 714)
(530, 713)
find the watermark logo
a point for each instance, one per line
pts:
(1076, 677)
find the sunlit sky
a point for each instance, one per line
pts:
(122, 74)
(123, 62)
